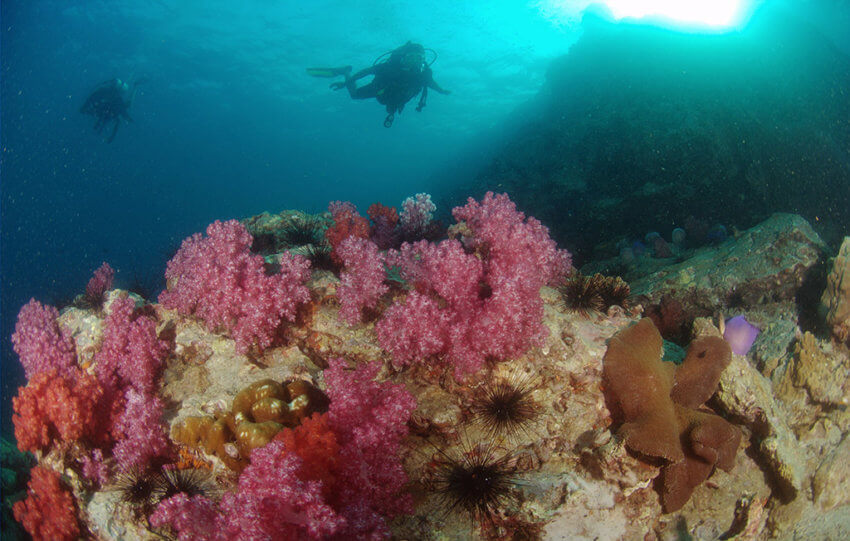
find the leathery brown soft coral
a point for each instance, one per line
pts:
(662, 407)
(259, 412)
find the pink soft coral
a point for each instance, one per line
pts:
(140, 431)
(362, 281)
(218, 279)
(414, 329)
(130, 354)
(100, 283)
(49, 512)
(347, 223)
(468, 306)
(270, 502)
(40, 343)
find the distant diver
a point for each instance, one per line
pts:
(398, 76)
(109, 103)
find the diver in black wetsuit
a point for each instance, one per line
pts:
(396, 80)
(109, 103)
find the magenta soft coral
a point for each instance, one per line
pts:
(40, 343)
(362, 281)
(219, 280)
(485, 303)
(270, 502)
(285, 493)
(130, 353)
(140, 431)
(370, 421)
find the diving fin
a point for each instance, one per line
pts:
(329, 72)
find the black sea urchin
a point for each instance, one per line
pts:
(191, 481)
(597, 293)
(477, 483)
(136, 486)
(505, 407)
(301, 231)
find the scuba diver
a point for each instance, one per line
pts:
(109, 103)
(398, 76)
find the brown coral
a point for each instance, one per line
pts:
(639, 384)
(663, 419)
(259, 412)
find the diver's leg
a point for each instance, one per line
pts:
(364, 92)
(114, 130)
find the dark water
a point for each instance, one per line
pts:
(228, 124)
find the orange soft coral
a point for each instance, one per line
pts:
(315, 443)
(48, 512)
(52, 408)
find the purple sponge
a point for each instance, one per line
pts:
(740, 334)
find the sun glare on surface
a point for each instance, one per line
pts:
(714, 13)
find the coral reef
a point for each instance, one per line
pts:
(467, 402)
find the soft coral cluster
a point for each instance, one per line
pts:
(52, 408)
(130, 353)
(41, 344)
(48, 512)
(362, 281)
(479, 302)
(218, 279)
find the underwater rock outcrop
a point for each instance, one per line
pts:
(638, 128)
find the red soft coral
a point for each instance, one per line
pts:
(218, 279)
(48, 512)
(315, 443)
(52, 407)
(347, 223)
(40, 343)
(362, 280)
(384, 220)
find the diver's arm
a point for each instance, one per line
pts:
(433, 84)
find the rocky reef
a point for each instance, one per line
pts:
(460, 396)
(638, 128)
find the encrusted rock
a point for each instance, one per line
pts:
(836, 299)
(766, 263)
(747, 395)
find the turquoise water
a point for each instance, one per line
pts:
(228, 124)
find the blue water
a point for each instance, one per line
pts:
(229, 125)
